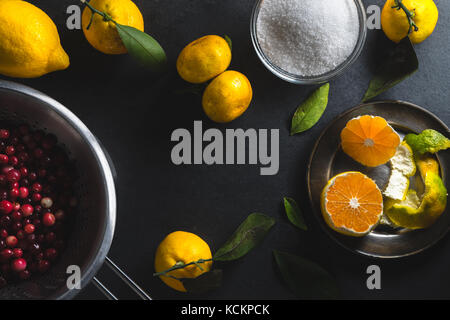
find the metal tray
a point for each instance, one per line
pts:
(328, 159)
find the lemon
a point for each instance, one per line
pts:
(395, 23)
(414, 214)
(204, 59)
(103, 35)
(227, 96)
(182, 247)
(29, 41)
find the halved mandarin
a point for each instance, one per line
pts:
(369, 140)
(352, 204)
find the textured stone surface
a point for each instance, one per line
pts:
(133, 115)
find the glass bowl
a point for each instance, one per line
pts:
(298, 79)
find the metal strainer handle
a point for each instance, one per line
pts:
(125, 278)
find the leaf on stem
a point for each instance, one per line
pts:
(305, 278)
(205, 282)
(228, 40)
(294, 213)
(143, 47)
(250, 233)
(311, 110)
(400, 63)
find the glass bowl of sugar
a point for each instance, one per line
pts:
(308, 41)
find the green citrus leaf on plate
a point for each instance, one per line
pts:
(311, 110)
(294, 213)
(142, 47)
(249, 234)
(429, 141)
(400, 63)
(305, 278)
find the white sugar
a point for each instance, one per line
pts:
(308, 37)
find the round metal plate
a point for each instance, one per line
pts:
(328, 159)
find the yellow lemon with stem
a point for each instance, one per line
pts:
(29, 41)
(395, 22)
(103, 34)
(182, 248)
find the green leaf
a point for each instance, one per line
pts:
(144, 48)
(205, 282)
(311, 110)
(251, 232)
(400, 63)
(228, 40)
(305, 278)
(428, 141)
(294, 213)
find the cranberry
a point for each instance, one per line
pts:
(2, 179)
(16, 216)
(20, 148)
(23, 192)
(10, 150)
(38, 208)
(4, 134)
(51, 254)
(18, 253)
(14, 193)
(15, 185)
(5, 221)
(18, 265)
(11, 241)
(13, 175)
(3, 233)
(36, 187)
(3, 194)
(20, 234)
(32, 176)
(16, 226)
(29, 228)
(39, 256)
(43, 266)
(48, 219)
(2, 244)
(27, 210)
(6, 254)
(23, 172)
(13, 160)
(5, 207)
(4, 159)
(16, 206)
(36, 197)
(24, 275)
(46, 202)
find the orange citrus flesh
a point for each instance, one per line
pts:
(369, 140)
(352, 204)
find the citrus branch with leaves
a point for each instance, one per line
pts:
(409, 14)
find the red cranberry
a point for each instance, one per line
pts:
(18, 265)
(29, 228)
(20, 234)
(51, 254)
(16, 216)
(3, 233)
(2, 179)
(23, 192)
(27, 210)
(13, 175)
(4, 134)
(32, 176)
(15, 185)
(2, 244)
(6, 254)
(39, 255)
(16, 206)
(20, 148)
(24, 275)
(3, 194)
(23, 172)
(10, 150)
(13, 160)
(43, 266)
(17, 252)
(11, 241)
(46, 202)
(5, 221)
(5, 207)
(14, 193)
(48, 219)
(16, 226)
(36, 187)
(4, 159)
(36, 197)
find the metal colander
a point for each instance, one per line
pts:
(92, 232)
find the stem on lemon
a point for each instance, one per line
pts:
(409, 14)
(106, 17)
(181, 265)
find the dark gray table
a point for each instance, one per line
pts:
(134, 114)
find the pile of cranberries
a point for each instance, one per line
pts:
(36, 202)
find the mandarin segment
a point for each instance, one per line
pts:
(352, 204)
(369, 140)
